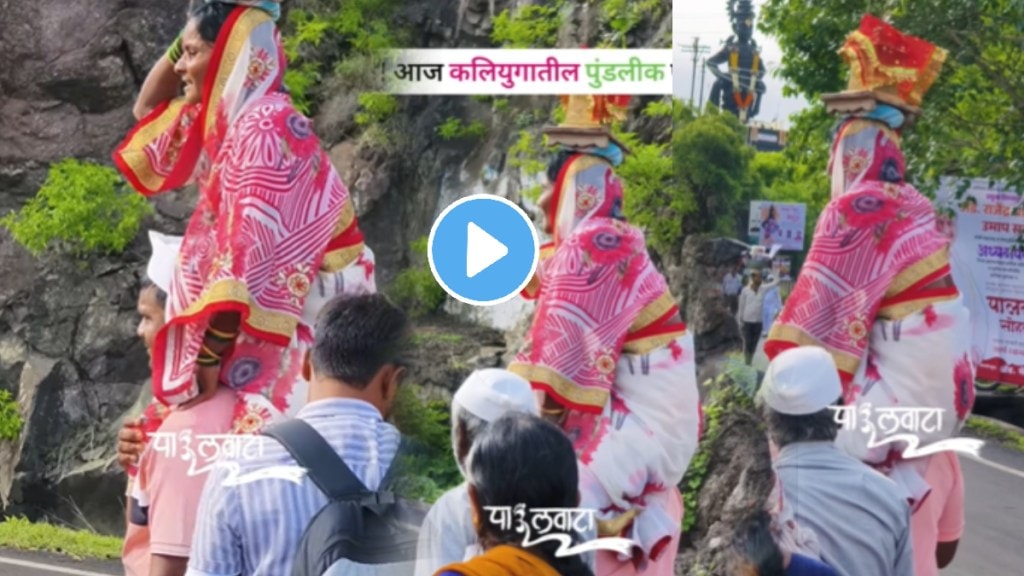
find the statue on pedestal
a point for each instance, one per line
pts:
(740, 87)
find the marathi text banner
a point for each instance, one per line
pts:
(465, 71)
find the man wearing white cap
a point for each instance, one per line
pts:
(447, 535)
(858, 515)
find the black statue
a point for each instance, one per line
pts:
(744, 67)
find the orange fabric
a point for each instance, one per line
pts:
(503, 561)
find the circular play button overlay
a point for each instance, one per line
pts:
(483, 250)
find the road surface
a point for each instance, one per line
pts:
(992, 542)
(991, 546)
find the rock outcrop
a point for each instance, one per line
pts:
(697, 281)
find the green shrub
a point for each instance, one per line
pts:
(81, 208)
(525, 154)
(376, 107)
(531, 27)
(658, 109)
(10, 417)
(454, 129)
(346, 37)
(415, 288)
(621, 16)
(429, 469)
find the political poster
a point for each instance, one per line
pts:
(986, 225)
(778, 223)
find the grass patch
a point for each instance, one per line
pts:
(20, 534)
(1005, 436)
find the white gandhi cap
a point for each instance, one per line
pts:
(165, 255)
(801, 381)
(491, 393)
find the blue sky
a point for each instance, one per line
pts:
(709, 20)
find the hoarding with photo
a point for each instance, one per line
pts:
(986, 225)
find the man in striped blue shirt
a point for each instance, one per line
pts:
(254, 528)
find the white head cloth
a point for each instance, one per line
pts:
(165, 256)
(491, 393)
(801, 381)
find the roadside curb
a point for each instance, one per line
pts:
(1010, 432)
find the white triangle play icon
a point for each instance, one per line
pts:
(482, 250)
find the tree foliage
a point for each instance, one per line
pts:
(973, 115)
(705, 186)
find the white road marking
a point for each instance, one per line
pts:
(996, 466)
(48, 567)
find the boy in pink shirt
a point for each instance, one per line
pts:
(163, 498)
(936, 527)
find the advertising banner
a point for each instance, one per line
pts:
(778, 223)
(986, 225)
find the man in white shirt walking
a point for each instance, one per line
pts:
(751, 312)
(732, 283)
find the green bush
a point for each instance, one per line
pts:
(376, 107)
(525, 154)
(81, 208)
(429, 469)
(531, 27)
(732, 390)
(415, 288)
(454, 129)
(10, 417)
(621, 16)
(346, 37)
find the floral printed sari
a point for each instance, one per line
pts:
(274, 234)
(607, 344)
(867, 295)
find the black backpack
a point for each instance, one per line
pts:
(359, 531)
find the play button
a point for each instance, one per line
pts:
(483, 250)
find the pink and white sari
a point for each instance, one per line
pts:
(608, 345)
(274, 234)
(868, 295)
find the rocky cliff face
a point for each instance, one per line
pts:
(69, 72)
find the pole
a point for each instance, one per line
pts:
(696, 54)
(703, 69)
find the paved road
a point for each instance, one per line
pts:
(992, 543)
(15, 563)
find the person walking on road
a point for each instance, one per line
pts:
(750, 315)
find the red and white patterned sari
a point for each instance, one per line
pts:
(607, 344)
(273, 236)
(867, 295)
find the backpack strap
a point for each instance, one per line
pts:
(325, 468)
(390, 477)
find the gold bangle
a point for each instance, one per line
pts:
(224, 336)
(210, 353)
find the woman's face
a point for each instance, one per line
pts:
(151, 315)
(195, 59)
